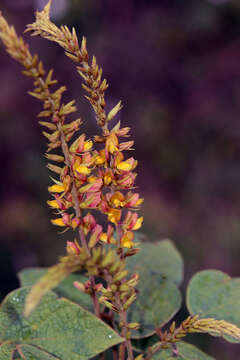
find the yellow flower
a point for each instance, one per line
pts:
(117, 199)
(92, 179)
(107, 178)
(112, 143)
(127, 239)
(114, 215)
(138, 223)
(58, 222)
(87, 145)
(56, 188)
(139, 202)
(100, 157)
(104, 237)
(124, 165)
(53, 204)
(83, 169)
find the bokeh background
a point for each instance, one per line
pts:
(175, 64)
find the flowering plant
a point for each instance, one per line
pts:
(113, 294)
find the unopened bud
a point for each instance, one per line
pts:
(124, 287)
(79, 286)
(133, 280)
(114, 111)
(72, 248)
(98, 287)
(129, 301)
(119, 276)
(172, 327)
(113, 287)
(133, 326)
(108, 259)
(103, 300)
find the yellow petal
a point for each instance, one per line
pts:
(124, 165)
(139, 202)
(103, 237)
(138, 223)
(114, 215)
(58, 222)
(56, 188)
(99, 160)
(53, 204)
(112, 148)
(107, 179)
(92, 179)
(127, 239)
(87, 145)
(83, 169)
(127, 244)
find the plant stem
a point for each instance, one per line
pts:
(123, 319)
(115, 353)
(94, 298)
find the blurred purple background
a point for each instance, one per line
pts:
(176, 67)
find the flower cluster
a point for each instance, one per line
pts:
(102, 179)
(93, 177)
(95, 174)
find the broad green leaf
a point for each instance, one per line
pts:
(33, 353)
(29, 277)
(6, 351)
(160, 269)
(183, 351)
(157, 302)
(57, 327)
(214, 294)
(159, 258)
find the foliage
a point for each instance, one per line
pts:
(113, 294)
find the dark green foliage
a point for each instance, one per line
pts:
(185, 351)
(214, 294)
(57, 329)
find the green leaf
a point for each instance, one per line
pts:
(57, 327)
(214, 294)
(184, 350)
(160, 268)
(157, 302)
(6, 351)
(29, 277)
(159, 258)
(33, 353)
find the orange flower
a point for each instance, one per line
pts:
(127, 239)
(114, 215)
(108, 236)
(127, 165)
(111, 143)
(117, 199)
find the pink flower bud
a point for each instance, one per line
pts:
(89, 221)
(132, 200)
(66, 219)
(72, 248)
(96, 233)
